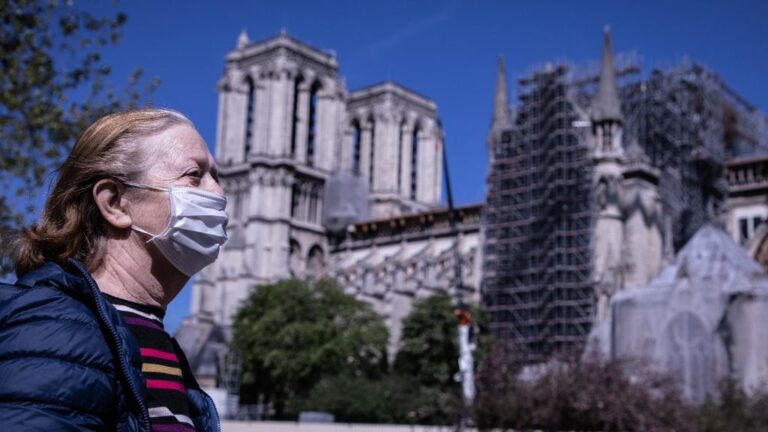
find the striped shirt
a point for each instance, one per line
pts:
(166, 393)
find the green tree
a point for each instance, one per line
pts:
(53, 83)
(292, 334)
(360, 399)
(428, 356)
(429, 347)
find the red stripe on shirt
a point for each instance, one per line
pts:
(149, 352)
(165, 385)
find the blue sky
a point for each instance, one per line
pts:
(446, 50)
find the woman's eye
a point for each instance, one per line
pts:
(194, 173)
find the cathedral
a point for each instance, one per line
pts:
(324, 181)
(597, 179)
(603, 189)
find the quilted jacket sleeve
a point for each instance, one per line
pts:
(56, 369)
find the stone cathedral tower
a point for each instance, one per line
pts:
(287, 129)
(628, 230)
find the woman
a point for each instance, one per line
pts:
(135, 211)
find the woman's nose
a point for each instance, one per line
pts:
(209, 184)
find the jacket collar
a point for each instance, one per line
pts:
(53, 274)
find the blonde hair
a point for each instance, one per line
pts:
(71, 225)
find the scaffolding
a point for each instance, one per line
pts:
(539, 219)
(537, 272)
(689, 123)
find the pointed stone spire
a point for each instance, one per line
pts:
(242, 39)
(606, 105)
(500, 101)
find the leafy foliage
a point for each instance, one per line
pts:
(429, 347)
(420, 388)
(734, 410)
(295, 349)
(53, 84)
(576, 394)
(291, 335)
(358, 399)
(428, 356)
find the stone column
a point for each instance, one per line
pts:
(277, 114)
(405, 158)
(327, 126)
(609, 229)
(233, 118)
(289, 86)
(379, 157)
(386, 162)
(262, 117)
(428, 162)
(438, 170)
(339, 120)
(365, 150)
(322, 129)
(255, 194)
(345, 162)
(302, 131)
(394, 158)
(221, 125)
(423, 174)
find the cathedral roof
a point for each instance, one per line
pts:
(435, 222)
(606, 105)
(712, 255)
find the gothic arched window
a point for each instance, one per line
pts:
(314, 205)
(372, 153)
(294, 258)
(414, 160)
(356, 138)
(312, 123)
(295, 113)
(315, 262)
(400, 139)
(250, 87)
(295, 200)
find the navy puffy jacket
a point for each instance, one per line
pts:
(68, 361)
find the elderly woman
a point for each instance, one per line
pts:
(135, 211)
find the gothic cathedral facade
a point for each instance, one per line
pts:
(290, 137)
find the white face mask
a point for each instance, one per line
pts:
(196, 227)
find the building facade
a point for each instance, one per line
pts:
(596, 180)
(393, 262)
(315, 174)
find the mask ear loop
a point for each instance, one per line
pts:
(171, 206)
(143, 231)
(148, 187)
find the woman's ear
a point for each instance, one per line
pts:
(108, 196)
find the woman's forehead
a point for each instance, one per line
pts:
(181, 144)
